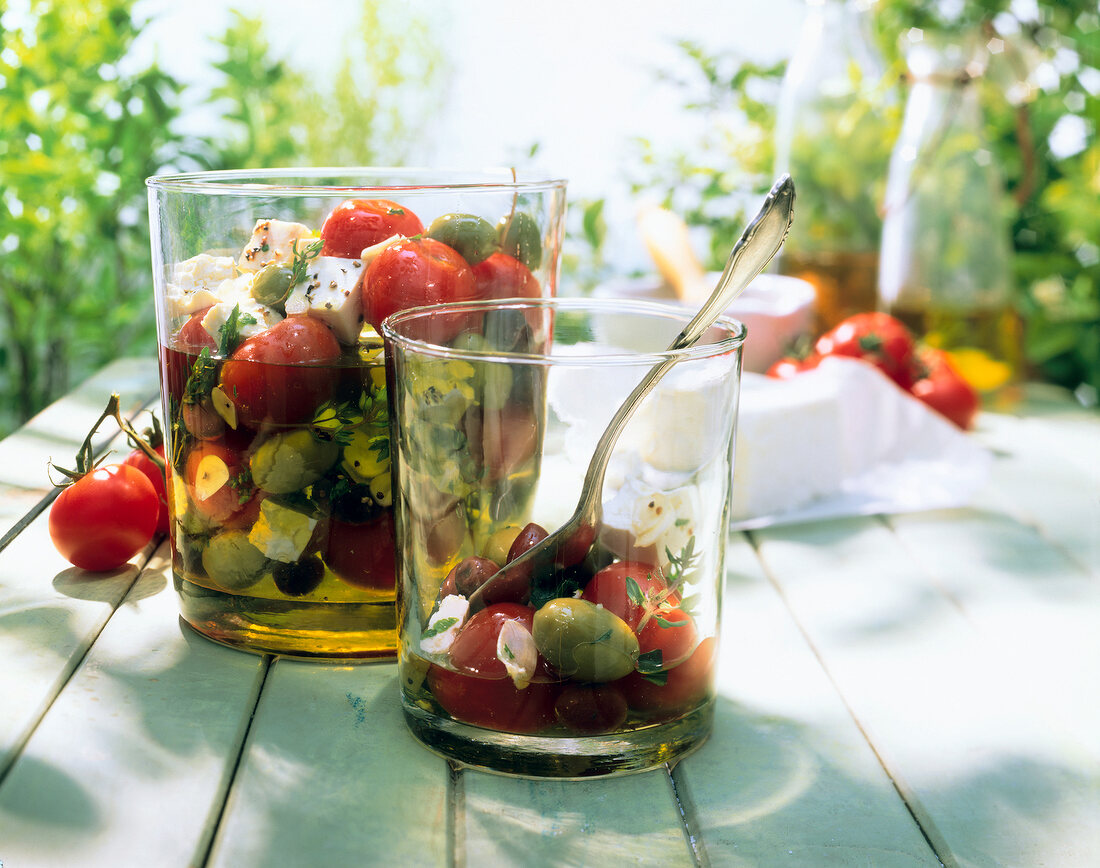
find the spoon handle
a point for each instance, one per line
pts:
(751, 254)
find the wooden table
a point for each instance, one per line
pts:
(894, 690)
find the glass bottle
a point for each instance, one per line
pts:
(945, 264)
(835, 124)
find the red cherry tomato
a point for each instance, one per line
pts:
(944, 389)
(875, 337)
(192, 337)
(277, 375)
(363, 554)
(359, 223)
(503, 276)
(146, 465)
(208, 464)
(685, 686)
(104, 518)
(789, 366)
(648, 607)
(412, 273)
(479, 691)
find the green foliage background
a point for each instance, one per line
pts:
(82, 132)
(1051, 198)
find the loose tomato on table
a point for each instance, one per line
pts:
(875, 337)
(104, 518)
(155, 475)
(479, 691)
(789, 366)
(278, 375)
(944, 389)
(357, 224)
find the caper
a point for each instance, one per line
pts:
(291, 460)
(473, 237)
(584, 641)
(232, 561)
(271, 286)
(520, 237)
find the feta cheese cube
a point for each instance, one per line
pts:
(262, 317)
(443, 626)
(282, 534)
(194, 282)
(330, 293)
(273, 241)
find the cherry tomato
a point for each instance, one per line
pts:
(944, 389)
(503, 276)
(685, 686)
(609, 588)
(104, 518)
(146, 465)
(649, 608)
(875, 337)
(359, 223)
(591, 708)
(412, 273)
(276, 376)
(192, 337)
(479, 690)
(789, 366)
(217, 482)
(363, 554)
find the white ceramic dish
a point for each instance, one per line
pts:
(775, 308)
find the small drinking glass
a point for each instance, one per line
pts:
(604, 664)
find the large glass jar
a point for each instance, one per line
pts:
(946, 267)
(835, 124)
(270, 288)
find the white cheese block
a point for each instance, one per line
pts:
(330, 293)
(194, 283)
(262, 317)
(282, 534)
(444, 625)
(273, 241)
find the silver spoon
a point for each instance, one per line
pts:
(570, 543)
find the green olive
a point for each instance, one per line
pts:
(498, 544)
(232, 561)
(520, 237)
(291, 460)
(271, 285)
(585, 641)
(473, 237)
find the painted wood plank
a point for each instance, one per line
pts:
(632, 820)
(50, 614)
(131, 764)
(1037, 609)
(1047, 474)
(57, 432)
(989, 781)
(331, 777)
(787, 778)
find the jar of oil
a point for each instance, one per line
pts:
(945, 264)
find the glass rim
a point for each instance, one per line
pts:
(661, 310)
(409, 181)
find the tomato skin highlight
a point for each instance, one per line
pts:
(944, 389)
(875, 337)
(415, 272)
(146, 465)
(359, 223)
(104, 518)
(270, 377)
